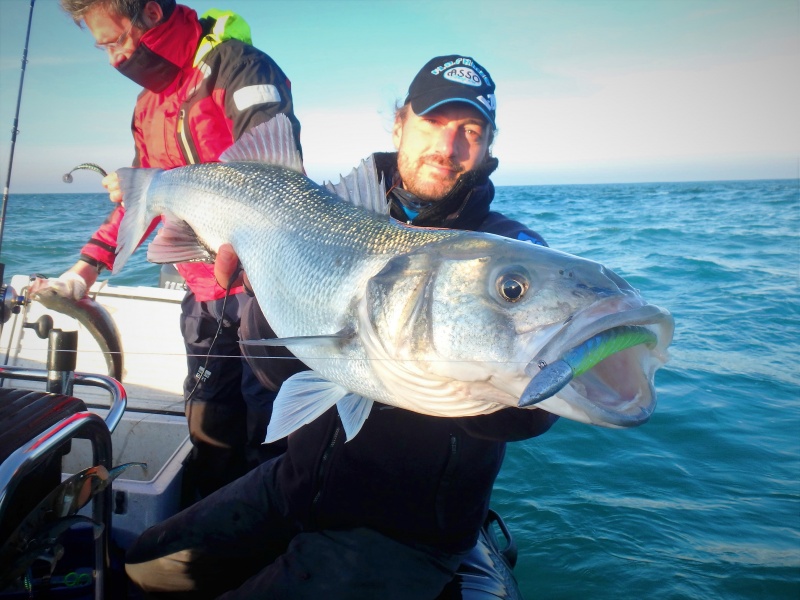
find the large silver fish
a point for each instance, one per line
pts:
(442, 322)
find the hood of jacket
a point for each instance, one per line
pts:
(165, 51)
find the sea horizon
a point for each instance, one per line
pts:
(703, 500)
(68, 192)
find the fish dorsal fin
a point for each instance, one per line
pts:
(362, 188)
(271, 142)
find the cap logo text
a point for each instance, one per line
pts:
(463, 75)
(452, 63)
(489, 102)
(470, 65)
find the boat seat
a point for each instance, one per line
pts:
(37, 431)
(25, 414)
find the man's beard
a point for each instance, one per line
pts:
(430, 189)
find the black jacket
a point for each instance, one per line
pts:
(467, 206)
(416, 478)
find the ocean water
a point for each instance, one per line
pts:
(703, 501)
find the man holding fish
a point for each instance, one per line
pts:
(431, 340)
(390, 510)
(204, 86)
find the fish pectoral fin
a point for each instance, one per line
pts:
(302, 398)
(301, 340)
(353, 410)
(176, 242)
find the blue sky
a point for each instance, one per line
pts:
(588, 91)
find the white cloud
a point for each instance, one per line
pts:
(709, 113)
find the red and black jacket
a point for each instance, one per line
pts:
(216, 97)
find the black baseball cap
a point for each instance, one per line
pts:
(453, 78)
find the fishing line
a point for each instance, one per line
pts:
(188, 402)
(293, 357)
(14, 132)
(4, 289)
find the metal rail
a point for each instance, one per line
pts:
(24, 460)
(119, 398)
(86, 425)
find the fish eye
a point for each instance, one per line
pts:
(512, 286)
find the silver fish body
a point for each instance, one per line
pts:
(442, 322)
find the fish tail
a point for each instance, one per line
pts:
(134, 184)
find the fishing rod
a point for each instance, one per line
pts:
(14, 131)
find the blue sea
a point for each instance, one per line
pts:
(703, 501)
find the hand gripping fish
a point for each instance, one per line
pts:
(442, 322)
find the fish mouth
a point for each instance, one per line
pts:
(600, 369)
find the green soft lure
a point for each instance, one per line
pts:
(553, 377)
(67, 177)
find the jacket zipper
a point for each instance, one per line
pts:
(183, 138)
(323, 463)
(445, 481)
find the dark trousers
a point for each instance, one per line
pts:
(227, 409)
(237, 544)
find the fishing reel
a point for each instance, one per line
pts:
(10, 303)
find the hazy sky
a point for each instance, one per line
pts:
(588, 91)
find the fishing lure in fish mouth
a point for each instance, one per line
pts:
(67, 177)
(555, 376)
